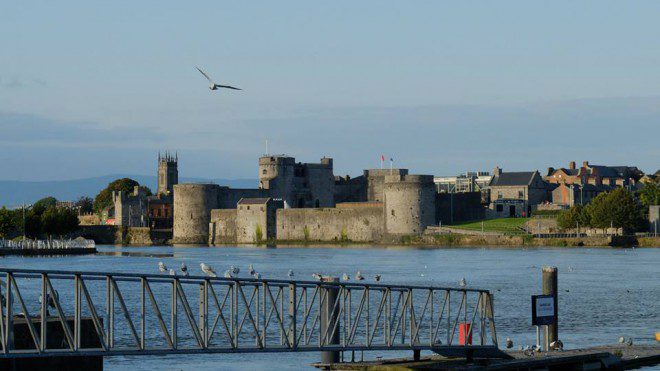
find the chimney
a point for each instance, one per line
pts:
(571, 165)
(497, 171)
(585, 163)
(550, 171)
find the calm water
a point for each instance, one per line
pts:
(606, 293)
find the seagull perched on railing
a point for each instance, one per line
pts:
(207, 270)
(213, 85)
(462, 282)
(161, 267)
(256, 275)
(509, 343)
(235, 270)
(228, 274)
(172, 272)
(316, 276)
(184, 269)
(358, 276)
(345, 277)
(251, 270)
(290, 274)
(377, 278)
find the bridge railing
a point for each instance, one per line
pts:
(118, 313)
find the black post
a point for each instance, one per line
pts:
(550, 288)
(330, 317)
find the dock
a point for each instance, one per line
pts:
(608, 357)
(29, 247)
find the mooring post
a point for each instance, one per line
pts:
(329, 320)
(550, 288)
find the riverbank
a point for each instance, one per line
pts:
(463, 240)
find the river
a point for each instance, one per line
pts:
(605, 293)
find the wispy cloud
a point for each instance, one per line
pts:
(10, 83)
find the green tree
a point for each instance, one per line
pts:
(104, 198)
(573, 217)
(7, 222)
(617, 208)
(40, 206)
(649, 194)
(58, 221)
(85, 204)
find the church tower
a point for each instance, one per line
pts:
(168, 173)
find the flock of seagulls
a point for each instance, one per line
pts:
(234, 271)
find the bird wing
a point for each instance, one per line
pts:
(205, 75)
(227, 87)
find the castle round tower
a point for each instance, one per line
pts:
(192, 212)
(409, 203)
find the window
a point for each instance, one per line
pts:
(392, 212)
(521, 194)
(264, 171)
(499, 208)
(248, 207)
(499, 194)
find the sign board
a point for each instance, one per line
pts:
(544, 310)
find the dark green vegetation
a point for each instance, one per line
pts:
(104, 198)
(649, 194)
(43, 219)
(619, 208)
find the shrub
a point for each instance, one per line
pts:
(306, 232)
(258, 234)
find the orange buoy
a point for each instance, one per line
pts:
(657, 336)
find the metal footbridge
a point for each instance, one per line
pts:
(110, 314)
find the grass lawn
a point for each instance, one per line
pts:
(503, 225)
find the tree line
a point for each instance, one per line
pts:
(43, 219)
(619, 208)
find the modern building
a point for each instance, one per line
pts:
(468, 182)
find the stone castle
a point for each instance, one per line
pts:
(304, 201)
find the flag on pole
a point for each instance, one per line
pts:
(382, 160)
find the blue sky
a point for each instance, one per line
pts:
(89, 88)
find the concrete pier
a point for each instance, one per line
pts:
(612, 357)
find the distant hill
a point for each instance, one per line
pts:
(14, 193)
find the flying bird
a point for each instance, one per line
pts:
(161, 267)
(213, 85)
(207, 270)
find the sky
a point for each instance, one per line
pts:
(96, 88)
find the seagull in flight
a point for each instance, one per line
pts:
(213, 85)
